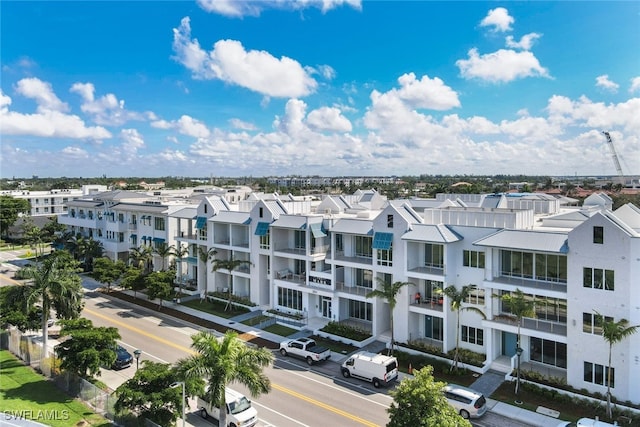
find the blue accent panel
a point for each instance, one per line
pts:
(201, 222)
(382, 241)
(262, 228)
(317, 230)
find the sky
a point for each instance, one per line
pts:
(225, 88)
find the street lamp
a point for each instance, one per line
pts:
(136, 354)
(519, 351)
(177, 384)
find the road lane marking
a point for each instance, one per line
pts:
(276, 386)
(254, 403)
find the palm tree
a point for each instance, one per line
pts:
(613, 333)
(520, 306)
(163, 251)
(141, 257)
(55, 283)
(389, 292)
(179, 253)
(221, 361)
(90, 249)
(229, 265)
(456, 298)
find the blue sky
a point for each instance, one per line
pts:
(333, 87)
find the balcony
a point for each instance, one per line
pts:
(525, 283)
(435, 303)
(556, 328)
(340, 256)
(353, 289)
(423, 269)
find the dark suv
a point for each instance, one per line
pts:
(124, 359)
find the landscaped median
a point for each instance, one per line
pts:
(28, 395)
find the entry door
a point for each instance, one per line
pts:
(326, 307)
(509, 343)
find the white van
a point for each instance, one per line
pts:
(377, 368)
(240, 413)
(586, 422)
(469, 403)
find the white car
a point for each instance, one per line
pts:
(469, 403)
(585, 422)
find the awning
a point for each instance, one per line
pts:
(262, 228)
(382, 241)
(317, 230)
(201, 221)
(133, 236)
(158, 240)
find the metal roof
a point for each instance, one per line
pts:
(290, 221)
(353, 226)
(530, 241)
(431, 233)
(231, 217)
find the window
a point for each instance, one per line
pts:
(133, 240)
(159, 223)
(120, 217)
(202, 233)
(598, 374)
(385, 257)
(206, 208)
(299, 239)
(265, 240)
(260, 212)
(360, 310)
(433, 255)
(598, 235)
(364, 278)
(473, 259)
(290, 298)
(592, 323)
(517, 264)
(551, 268)
(339, 243)
(598, 278)
(433, 327)
(389, 221)
(120, 237)
(363, 246)
(548, 352)
(472, 335)
(475, 297)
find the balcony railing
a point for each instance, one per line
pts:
(352, 289)
(520, 282)
(539, 325)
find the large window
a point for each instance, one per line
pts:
(433, 327)
(159, 223)
(433, 292)
(545, 267)
(364, 278)
(360, 310)
(299, 239)
(433, 255)
(546, 308)
(598, 374)
(475, 297)
(473, 259)
(265, 239)
(472, 335)
(363, 246)
(598, 278)
(548, 352)
(290, 298)
(385, 257)
(592, 323)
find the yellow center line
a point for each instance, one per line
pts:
(276, 386)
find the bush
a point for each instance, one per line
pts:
(346, 331)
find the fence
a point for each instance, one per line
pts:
(28, 348)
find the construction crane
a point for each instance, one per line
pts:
(616, 161)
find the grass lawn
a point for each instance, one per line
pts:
(216, 308)
(283, 331)
(23, 390)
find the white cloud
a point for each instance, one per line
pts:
(75, 152)
(499, 19)
(525, 43)
(240, 124)
(427, 93)
(132, 141)
(42, 93)
(185, 125)
(327, 72)
(635, 85)
(501, 66)
(603, 82)
(229, 62)
(5, 100)
(240, 8)
(106, 110)
(328, 119)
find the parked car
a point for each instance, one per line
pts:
(240, 413)
(305, 348)
(376, 368)
(468, 402)
(586, 422)
(124, 359)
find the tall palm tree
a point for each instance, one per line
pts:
(389, 292)
(141, 257)
(55, 283)
(613, 333)
(221, 361)
(520, 306)
(229, 265)
(90, 249)
(164, 251)
(456, 298)
(179, 253)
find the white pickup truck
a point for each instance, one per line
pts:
(305, 348)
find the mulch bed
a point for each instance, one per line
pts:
(141, 301)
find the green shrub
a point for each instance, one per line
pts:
(346, 331)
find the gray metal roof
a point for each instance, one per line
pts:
(432, 233)
(231, 217)
(290, 221)
(187, 213)
(530, 241)
(353, 226)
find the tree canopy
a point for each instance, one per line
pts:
(10, 210)
(420, 402)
